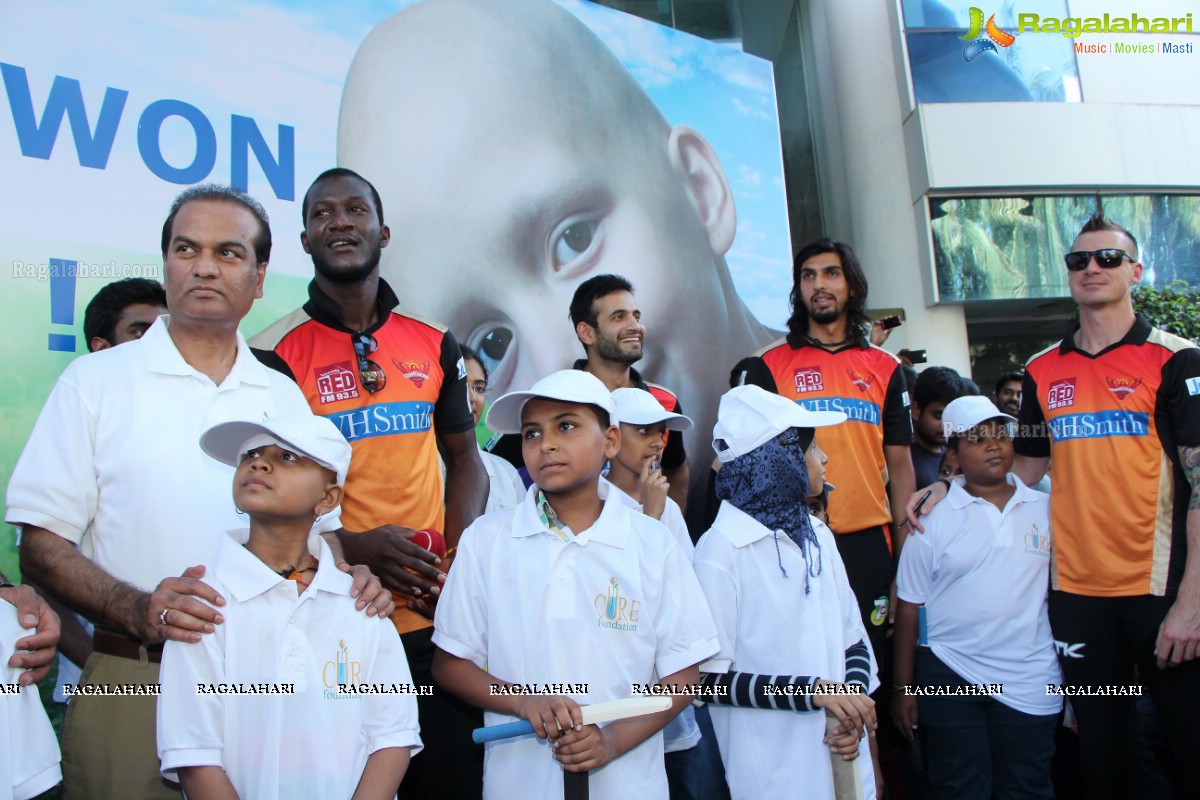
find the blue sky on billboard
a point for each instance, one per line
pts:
(283, 63)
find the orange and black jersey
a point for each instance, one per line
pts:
(1112, 424)
(864, 382)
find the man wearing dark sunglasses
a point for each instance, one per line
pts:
(395, 385)
(1117, 406)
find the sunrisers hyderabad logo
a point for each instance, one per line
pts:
(861, 381)
(614, 611)
(1061, 394)
(1122, 387)
(808, 379)
(415, 371)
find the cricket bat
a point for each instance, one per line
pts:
(600, 712)
(847, 782)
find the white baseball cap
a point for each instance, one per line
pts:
(566, 385)
(749, 416)
(964, 413)
(639, 407)
(305, 434)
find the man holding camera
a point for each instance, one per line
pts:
(826, 363)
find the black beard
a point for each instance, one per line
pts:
(610, 350)
(825, 316)
(353, 274)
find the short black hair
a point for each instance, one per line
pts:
(938, 385)
(910, 377)
(858, 323)
(1099, 222)
(342, 172)
(103, 310)
(591, 290)
(219, 193)
(469, 354)
(1008, 377)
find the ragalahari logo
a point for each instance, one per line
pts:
(994, 35)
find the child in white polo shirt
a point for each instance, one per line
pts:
(636, 470)
(791, 635)
(297, 694)
(577, 598)
(981, 571)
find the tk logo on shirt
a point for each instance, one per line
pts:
(1061, 394)
(336, 382)
(1122, 387)
(415, 371)
(808, 379)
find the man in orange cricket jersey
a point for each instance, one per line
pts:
(826, 363)
(395, 385)
(1116, 404)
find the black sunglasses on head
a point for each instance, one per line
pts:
(1108, 258)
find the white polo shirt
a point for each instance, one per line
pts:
(616, 605)
(681, 733)
(314, 742)
(768, 625)
(28, 748)
(505, 487)
(983, 575)
(114, 462)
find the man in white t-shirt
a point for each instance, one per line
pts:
(115, 498)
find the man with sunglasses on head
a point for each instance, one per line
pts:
(1117, 405)
(396, 387)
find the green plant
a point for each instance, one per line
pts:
(1174, 308)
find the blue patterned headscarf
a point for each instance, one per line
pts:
(770, 483)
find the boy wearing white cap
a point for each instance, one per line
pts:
(568, 599)
(297, 694)
(981, 572)
(791, 634)
(636, 470)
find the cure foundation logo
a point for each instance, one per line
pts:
(340, 671)
(614, 611)
(1036, 542)
(980, 37)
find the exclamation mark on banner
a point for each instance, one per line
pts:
(62, 302)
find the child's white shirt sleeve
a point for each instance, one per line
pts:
(720, 592)
(390, 720)
(191, 725)
(29, 756)
(460, 620)
(683, 622)
(915, 572)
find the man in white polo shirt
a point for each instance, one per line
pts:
(113, 466)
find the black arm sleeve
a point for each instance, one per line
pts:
(1033, 436)
(858, 665)
(452, 411)
(897, 421)
(752, 371)
(269, 358)
(747, 690)
(1177, 409)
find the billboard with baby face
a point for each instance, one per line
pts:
(519, 148)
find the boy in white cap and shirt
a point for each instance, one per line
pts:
(297, 694)
(981, 570)
(636, 470)
(572, 594)
(29, 756)
(791, 635)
